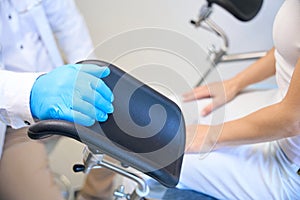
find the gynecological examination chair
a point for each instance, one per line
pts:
(146, 132)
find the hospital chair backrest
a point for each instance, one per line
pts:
(146, 130)
(244, 10)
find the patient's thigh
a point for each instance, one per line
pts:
(244, 172)
(24, 172)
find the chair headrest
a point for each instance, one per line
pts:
(244, 10)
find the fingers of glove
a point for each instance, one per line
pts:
(64, 112)
(102, 89)
(87, 85)
(99, 102)
(85, 90)
(94, 70)
(80, 112)
(77, 117)
(88, 109)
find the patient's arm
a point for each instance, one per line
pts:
(274, 122)
(223, 92)
(262, 69)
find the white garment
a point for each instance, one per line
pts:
(287, 43)
(247, 172)
(28, 48)
(258, 171)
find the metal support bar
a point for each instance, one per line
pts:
(217, 56)
(242, 56)
(94, 161)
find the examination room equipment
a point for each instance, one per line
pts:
(151, 139)
(243, 11)
(147, 130)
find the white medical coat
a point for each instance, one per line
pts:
(30, 32)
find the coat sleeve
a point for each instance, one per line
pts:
(70, 29)
(15, 97)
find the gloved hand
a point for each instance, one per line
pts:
(74, 93)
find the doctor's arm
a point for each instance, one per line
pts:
(74, 93)
(274, 122)
(223, 92)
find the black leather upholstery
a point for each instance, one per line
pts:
(243, 10)
(146, 130)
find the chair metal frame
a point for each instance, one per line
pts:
(96, 160)
(217, 56)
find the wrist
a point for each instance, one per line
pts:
(202, 138)
(238, 83)
(31, 99)
(212, 140)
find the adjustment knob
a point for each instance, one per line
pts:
(78, 168)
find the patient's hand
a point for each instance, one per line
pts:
(201, 138)
(195, 137)
(220, 92)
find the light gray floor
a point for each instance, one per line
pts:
(66, 152)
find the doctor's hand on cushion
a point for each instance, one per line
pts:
(74, 93)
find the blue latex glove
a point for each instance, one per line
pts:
(74, 93)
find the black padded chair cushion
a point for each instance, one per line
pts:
(243, 10)
(146, 130)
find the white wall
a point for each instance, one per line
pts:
(119, 29)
